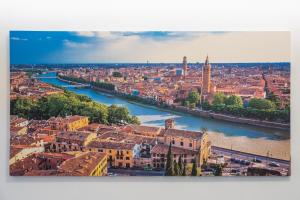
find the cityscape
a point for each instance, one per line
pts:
(139, 112)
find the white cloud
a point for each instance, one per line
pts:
(86, 33)
(229, 47)
(72, 44)
(48, 37)
(18, 39)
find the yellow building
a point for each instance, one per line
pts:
(70, 123)
(119, 154)
(86, 164)
(75, 122)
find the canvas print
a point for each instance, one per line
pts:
(154, 103)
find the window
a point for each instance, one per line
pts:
(190, 144)
(127, 158)
(127, 165)
(120, 164)
(173, 141)
(181, 143)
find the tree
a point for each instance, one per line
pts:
(219, 98)
(194, 168)
(262, 104)
(218, 170)
(205, 105)
(176, 169)
(193, 97)
(234, 100)
(180, 165)
(275, 99)
(192, 105)
(184, 170)
(186, 103)
(169, 164)
(116, 74)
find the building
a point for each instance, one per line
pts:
(119, 154)
(70, 123)
(189, 140)
(86, 164)
(169, 123)
(184, 67)
(160, 151)
(71, 141)
(148, 131)
(206, 82)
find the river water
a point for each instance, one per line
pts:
(225, 134)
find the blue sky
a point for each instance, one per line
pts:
(34, 47)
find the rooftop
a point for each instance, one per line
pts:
(82, 165)
(163, 149)
(184, 133)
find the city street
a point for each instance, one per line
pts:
(262, 161)
(134, 172)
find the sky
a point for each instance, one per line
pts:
(43, 47)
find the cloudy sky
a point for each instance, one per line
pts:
(32, 47)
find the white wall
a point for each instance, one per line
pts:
(148, 15)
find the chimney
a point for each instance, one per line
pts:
(169, 123)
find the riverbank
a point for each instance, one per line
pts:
(195, 112)
(258, 146)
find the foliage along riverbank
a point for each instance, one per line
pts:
(70, 103)
(220, 109)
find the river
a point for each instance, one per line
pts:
(225, 134)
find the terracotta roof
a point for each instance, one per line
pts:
(73, 135)
(110, 145)
(183, 133)
(126, 137)
(42, 173)
(163, 149)
(142, 130)
(82, 165)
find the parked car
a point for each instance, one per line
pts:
(257, 160)
(274, 164)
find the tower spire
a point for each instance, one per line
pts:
(207, 60)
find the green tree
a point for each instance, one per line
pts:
(262, 104)
(186, 103)
(219, 98)
(218, 170)
(180, 165)
(169, 164)
(194, 168)
(184, 170)
(205, 105)
(192, 106)
(234, 100)
(176, 169)
(193, 97)
(117, 74)
(275, 99)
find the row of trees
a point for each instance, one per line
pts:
(174, 168)
(71, 104)
(73, 79)
(102, 85)
(263, 109)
